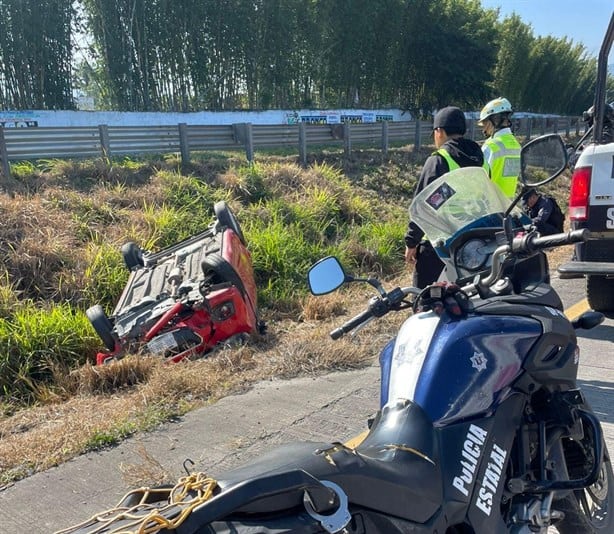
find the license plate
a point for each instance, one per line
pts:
(162, 343)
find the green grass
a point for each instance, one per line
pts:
(36, 342)
(291, 217)
(105, 275)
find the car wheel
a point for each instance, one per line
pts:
(219, 270)
(226, 218)
(600, 293)
(133, 255)
(102, 325)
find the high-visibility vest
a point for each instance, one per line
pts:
(504, 162)
(452, 166)
(451, 161)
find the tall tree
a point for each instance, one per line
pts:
(511, 75)
(36, 54)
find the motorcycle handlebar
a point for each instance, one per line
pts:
(354, 322)
(378, 307)
(530, 242)
(575, 236)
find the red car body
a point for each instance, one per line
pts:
(184, 300)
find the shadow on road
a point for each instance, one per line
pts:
(600, 395)
(601, 332)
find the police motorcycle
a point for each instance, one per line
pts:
(482, 427)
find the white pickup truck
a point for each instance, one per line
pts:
(591, 196)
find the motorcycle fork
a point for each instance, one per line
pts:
(568, 405)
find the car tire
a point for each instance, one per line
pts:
(226, 218)
(133, 255)
(600, 293)
(102, 325)
(219, 270)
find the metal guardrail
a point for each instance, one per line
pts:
(18, 144)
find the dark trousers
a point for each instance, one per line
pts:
(428, 265)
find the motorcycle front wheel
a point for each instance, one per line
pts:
(590, 510)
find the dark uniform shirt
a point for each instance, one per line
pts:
(541, 216)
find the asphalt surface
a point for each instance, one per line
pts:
(334, 407)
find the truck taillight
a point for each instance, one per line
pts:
(578, 194)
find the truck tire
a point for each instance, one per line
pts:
(600, 293)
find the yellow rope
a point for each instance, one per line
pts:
(146, 518)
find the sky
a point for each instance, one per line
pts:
(583, 21)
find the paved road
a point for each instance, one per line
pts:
(334, 407)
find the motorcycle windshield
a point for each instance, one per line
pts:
(455, 202)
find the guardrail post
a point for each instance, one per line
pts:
(249, 141)
(567, 126)
(471, 128)
(418, 136)
(105, 146)
(544, 122)
(385, 139)
(5, 168)
(184, 144)
(302, 143)
(347, 140)
(529, 128)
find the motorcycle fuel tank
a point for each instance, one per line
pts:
(456, 369)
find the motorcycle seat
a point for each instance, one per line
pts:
(394, 471)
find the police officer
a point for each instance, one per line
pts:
(543, 212)
(501, 149)
(453, 151)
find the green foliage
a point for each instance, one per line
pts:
(36, 54)
(105, 275)
(9, 298)
(542, 64)
(188, 192)
(147, 420)
(511, 75)
(382, 246)
(287, 236)
(290, 216)
(281, 253)
(37, 341)
(238, 54)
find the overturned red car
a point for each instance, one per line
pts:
(184, 300)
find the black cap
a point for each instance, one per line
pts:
(528, 193)
(451, 119)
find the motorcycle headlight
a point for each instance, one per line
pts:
(472, 255)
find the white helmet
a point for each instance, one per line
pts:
(498, 105)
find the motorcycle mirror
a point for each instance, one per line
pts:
(588, 320)
(326, 275)
(542, 160)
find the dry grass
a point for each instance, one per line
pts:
(100, 405)
(113, 401)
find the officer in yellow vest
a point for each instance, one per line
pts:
(501, 149)
(453, 151)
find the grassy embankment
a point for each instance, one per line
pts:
(63, 225)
